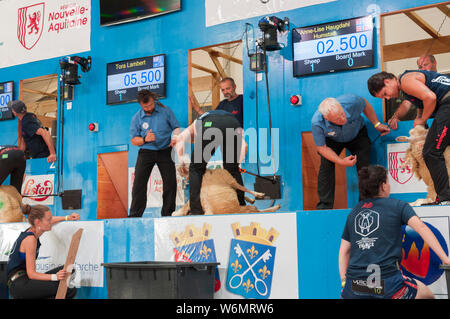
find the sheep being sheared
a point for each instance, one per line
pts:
(218, 195)
(414, 158)
(10, 205)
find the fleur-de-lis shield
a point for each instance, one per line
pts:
(250, 269)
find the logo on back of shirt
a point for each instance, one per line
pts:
(366, 222)
(442, 80)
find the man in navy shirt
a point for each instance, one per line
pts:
(35, 138)
(152, 129)
(233, 102)
(338, 124)
(213, 129)
(430, 92)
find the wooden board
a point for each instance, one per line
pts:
(310, 171)
(68, 266)
(112, 185)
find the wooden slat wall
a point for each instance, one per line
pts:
(310, 171)
(112, 185)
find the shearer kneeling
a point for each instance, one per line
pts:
(430, 92)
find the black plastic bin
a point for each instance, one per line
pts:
(447, 277)
(4, 294)
(160, 280)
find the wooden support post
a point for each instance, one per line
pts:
(68, 266)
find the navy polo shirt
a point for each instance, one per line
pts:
(34, 142)
(353, 106)
(162, 122)
(235, 107)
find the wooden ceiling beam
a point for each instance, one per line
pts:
(222, 55)
(40, 92)
(422, 24)
(202, 68)
(414, 49)
(219, 67)
(444, 9)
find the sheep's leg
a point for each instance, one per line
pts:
(253, 209)
(249, 200)
(182, 211)
(270, 209)
(233, 183)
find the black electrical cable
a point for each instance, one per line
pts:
(268, 106)
(257, 119)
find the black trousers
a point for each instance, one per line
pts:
(26, 288)
(359, 146)
(222, 131)
(12, 162)
(145, 162)
(433, 150)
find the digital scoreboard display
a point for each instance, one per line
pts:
(6, 95)
(126, 78)
(334, 46)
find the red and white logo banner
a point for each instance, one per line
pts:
(37, 30)
(401, 176)
(39, 188)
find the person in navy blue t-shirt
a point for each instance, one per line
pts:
(34, 137)
(430, 92)
(233, 102)
(338, 124)
(153, 129)
(371, 245)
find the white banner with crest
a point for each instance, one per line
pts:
(35, 30)
(401, 177)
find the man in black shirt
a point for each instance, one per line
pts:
(233, 102)
(34, 138)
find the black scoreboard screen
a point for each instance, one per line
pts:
(6, 95)
(333, 46)
(126, 78)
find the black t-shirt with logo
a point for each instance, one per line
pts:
(374, 230)
(235, 107)
(35, 143)
(436, 82)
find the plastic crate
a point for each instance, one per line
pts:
(447, 277)
(4, 293)
(160, 280)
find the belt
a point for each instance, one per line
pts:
(17, 275)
